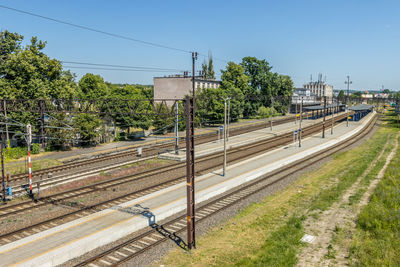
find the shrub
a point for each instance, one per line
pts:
(15, 152)
(35, 148)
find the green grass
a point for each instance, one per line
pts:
(36, 165)
(268, 233)
(376, 241)
(281, 247)
(351, 172)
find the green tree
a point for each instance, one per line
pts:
(142, 105)
(210, 105)
(210, 70)
(235, 84)
(26, 72)
(266, 88)
(341, 96)
(204, 69)
(163, 122)
(60, 134)
(87, 126)
(92, 86)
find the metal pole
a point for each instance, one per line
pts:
(2, 168)
(224, 167)
(300, 130)
(189, 111)
(28, 141)
(176, 129)
(323, 122)
(228, 122)
(41, 106)
(194, 58)
(295, 117)
(332, 111)
(272, 112)
(5, 118)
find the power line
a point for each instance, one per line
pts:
(96, 30)
(119, 66)
(94, 68)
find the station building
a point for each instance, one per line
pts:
(360, 111)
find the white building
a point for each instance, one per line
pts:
(320, 89)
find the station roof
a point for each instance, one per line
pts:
(322, 107)
(361, 107)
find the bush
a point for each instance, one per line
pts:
(15, 152)
(265, 112)
(35, 148)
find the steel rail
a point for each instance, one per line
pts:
(72, 193)
(147, 151)
(217, 205)
(105, 204)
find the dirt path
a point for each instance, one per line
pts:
(340, 216)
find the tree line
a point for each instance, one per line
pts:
(26, 72)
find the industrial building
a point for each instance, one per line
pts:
(320, 88)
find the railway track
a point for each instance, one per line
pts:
(170, 230)
(55, 174)
(205, 164)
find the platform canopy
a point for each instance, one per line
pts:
(322, 107)
(361, 107)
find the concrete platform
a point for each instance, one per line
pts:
(59, 244)
(243, 139)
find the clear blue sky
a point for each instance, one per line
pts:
(298, 38)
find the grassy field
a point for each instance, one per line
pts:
(268, 233)
(22, 167)
(376, 241)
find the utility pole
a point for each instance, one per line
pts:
(5, 117)
(301, 118)
(332, 111)
(348, 82)
(190, 175)
(323, 123)
(272, 112)
(41, 108)
(176, 129)
(28, 142)
(224, 166)
(228, 122)
(2, 167)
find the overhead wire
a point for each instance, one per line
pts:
(119, 69)
(95, 30)
(119, 66)
(120, 36)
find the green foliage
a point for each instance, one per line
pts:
(280, 248)
(377, 239)
(35, 149)
(87, 127)
(208, 69)
(265, 112)
(163, 123)
(131, 92)
(15, 153)
(92, 87)
(62, 134)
